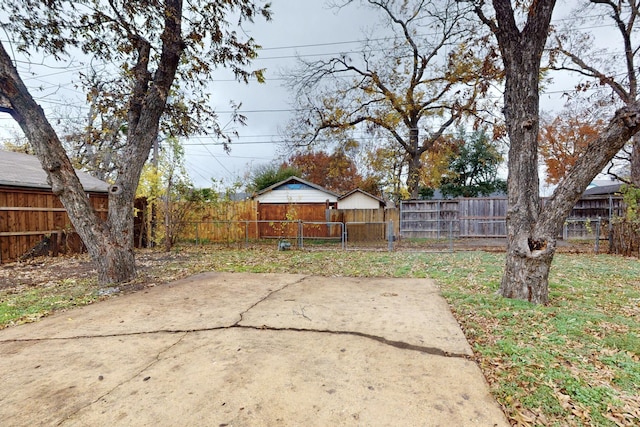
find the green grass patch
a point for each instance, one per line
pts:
(27, 304)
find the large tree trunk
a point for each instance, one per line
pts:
(529, 251)
(526, 274)
(114, 263)
(413, 177)
(113, 260)
(415, 165)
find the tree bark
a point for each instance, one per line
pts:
(527, 273)
(635, 162)
(413, 177)
(529, 251)
(415, 165)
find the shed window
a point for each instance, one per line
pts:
(293, 186)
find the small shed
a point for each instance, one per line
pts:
(32, 218)
(601, 199)
(599, 190)
(290, 200)
(358, 199)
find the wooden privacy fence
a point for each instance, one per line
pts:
(482, 217)
(279, 219)
(461, 218)
(225, 222)
(486, 216)
(34, 221)
(428, 218)
(250, 221)
(367, 224)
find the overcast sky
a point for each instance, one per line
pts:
(306, 28)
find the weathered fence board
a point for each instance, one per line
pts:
(32, 217)
(277, 220)
(428, 218)
(598, 206)
(482, 217)
(367, 224)
(464, 217)
(224, 222)
(486, 216)
(249, 220)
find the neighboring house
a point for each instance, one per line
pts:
(24, 170)
(602, 198)
(32, 219)
(358, 199)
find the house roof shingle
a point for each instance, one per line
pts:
(602, 190)
(24, 170)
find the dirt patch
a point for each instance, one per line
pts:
(42, 271)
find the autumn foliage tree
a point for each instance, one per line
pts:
(438, 160)
(609, 73)
(563, 139)
(335, 171)
(385, 165)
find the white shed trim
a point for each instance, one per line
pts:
(296, 190)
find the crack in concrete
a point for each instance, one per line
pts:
(121, 383)
(263, 299)
(435, 351)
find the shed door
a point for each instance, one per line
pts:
(276, 220)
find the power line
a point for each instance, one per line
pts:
(69, 68)
(255, 111)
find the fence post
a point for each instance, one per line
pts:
(344, 235)
(246, 234)
(451, 236)
(300, 234)
(565, 231)
(197, 234)
(390, 235)
(610, 227)
(438, 213)
(598, 235)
